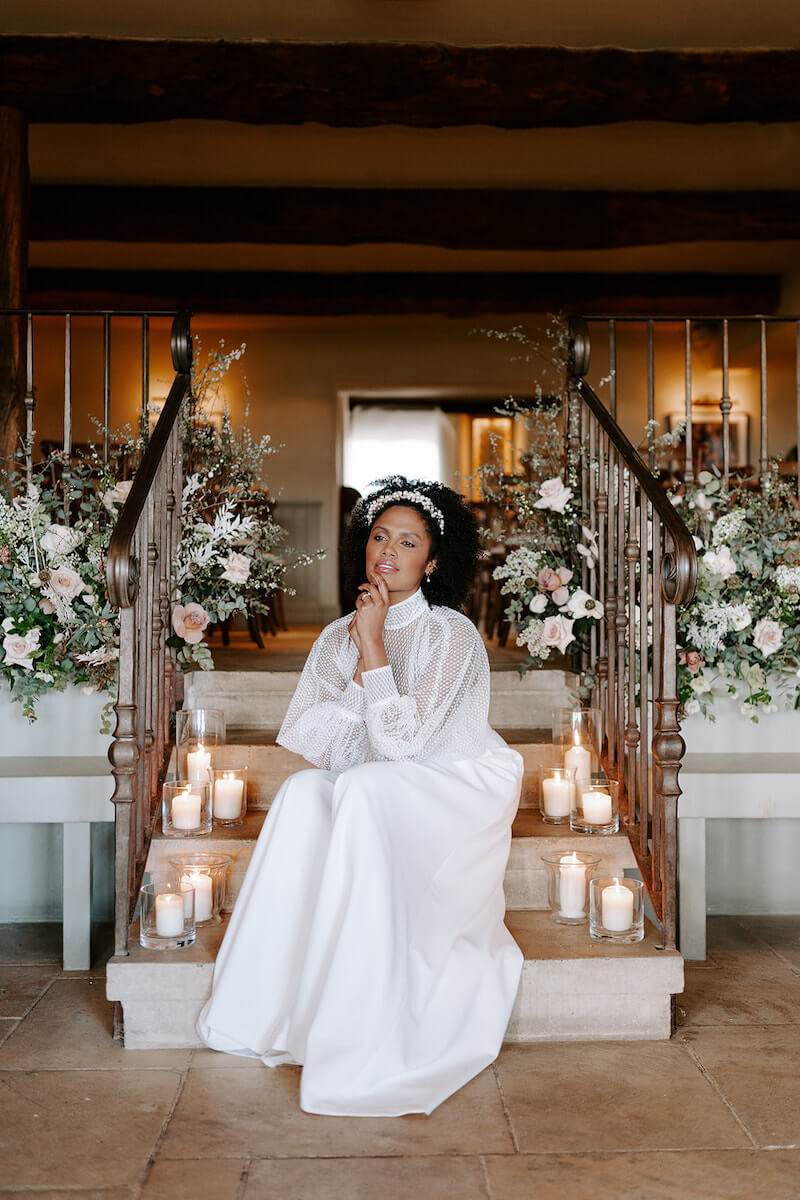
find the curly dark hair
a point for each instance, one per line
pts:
(456, 551)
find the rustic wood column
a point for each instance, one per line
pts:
(14, 210)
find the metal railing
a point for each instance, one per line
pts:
(138, 575)
(647, 565)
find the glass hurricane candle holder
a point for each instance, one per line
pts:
(198, 732)
(576, 733)
(616, 909)
(568, 877)
(207, 876)
(229, 795)
(166, 914)
(185, 809)
(556, 792)
(595, 807)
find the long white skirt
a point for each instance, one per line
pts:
(367, 942)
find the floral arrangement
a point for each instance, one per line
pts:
(740, 635)
(58, 627)
(548, 574)
(226, 561)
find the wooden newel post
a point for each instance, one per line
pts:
(14, 209)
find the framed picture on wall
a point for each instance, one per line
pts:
(707, 436)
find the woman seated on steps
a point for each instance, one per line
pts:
(368, 943)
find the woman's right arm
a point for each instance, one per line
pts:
(326, 719)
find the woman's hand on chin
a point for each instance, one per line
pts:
(366, 628)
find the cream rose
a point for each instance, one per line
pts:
(767, 637)
(557, 632)
(553, 494)
(19, 647)
(189, 621)
(59, 541)
(538, 604)
(237, 568)
(720, 562)
(66, 583)
(118, 494)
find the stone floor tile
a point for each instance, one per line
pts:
(171, 1179)
(758, 1071)
(27, 944)
(775, 930)
(81, 1129)
(733, 948)
(203, 1057)
(653, 1175)
(20, 986)
(71, 1027)
(427, 1178)
(113, 1193)
(235, 1113)
(7, 1027)
(652, 1093)
(721, 998)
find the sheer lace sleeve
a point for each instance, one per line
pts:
(444, 711)
(325, 721)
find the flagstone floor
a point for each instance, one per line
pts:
(713, 1114)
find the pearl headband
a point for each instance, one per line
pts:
(385, 499)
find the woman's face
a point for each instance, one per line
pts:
(398, 550)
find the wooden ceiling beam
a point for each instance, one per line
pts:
(461, 219)
(457, 294)
(428, 85)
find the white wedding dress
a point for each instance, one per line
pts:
(367, 942)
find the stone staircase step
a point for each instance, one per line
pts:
(526, 873)
(572, 988)
(259, 699)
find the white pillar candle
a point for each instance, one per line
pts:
(186, 810)
(596, 808)
(556, 797)
(197, 764)
(203, 894)
(169, 914)
(572, 886)
(616, 907)
(579, 757)
(228, 793)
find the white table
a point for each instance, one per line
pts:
(724, 787)
(75, 792)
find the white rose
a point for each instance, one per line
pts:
(700, 685)
(118, 494)
(539, 603)
(19, 648)
(691, 707)
(557, 632)
(236, 568)
(739, 617)
(701, 501)
(59, 541)
(553, 494)
(66, 583)
(767, 637)
(720, 562)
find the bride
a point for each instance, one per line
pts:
(367, 942)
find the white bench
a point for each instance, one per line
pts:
(75, 792)
(751, 786)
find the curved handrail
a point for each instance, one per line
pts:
(122, 571)
(679, 565)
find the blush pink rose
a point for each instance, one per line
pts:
(189, 621)
(557, 632)
(548, 580)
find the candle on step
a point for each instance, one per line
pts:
(579, 757)
(228, 792)
(203, 894)
(169, 914)
(198, 763)
(572, 886)
(596, 805)
(556, 797)
(616, 904)
(186, 810)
